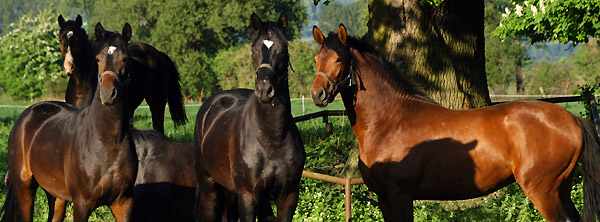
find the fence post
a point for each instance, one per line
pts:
(328, 125)
(348, 193)
(595, 119)
(303, 109)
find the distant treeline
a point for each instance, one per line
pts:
(209, 42)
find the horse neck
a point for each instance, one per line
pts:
(109, 122)
(373, 98)
(277, 113)
(82, 83)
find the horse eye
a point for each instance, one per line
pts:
(338, 60)
(125, 59)
(97, 60)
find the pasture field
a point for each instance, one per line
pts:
(333, 154)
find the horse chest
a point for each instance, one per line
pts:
(268, 160)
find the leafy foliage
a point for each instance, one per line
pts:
(562, 77)
(547, 78)
(503, 59)
(586, 64)
(541, 20)
(354, 16)
(12, 10)
(30, 57)
(192, 33)
(587, 94)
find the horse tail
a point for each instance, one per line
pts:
(174, 96)
(10, 209)
(591, 176)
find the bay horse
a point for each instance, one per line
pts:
(83, 155)
(246, 142)
(413, 148)
(154, 76)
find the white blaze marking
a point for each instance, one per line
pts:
(111, 50)
(68, 63)
(268, 43)
(69, 34)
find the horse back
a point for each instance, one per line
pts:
(164, 189)
(161, 159)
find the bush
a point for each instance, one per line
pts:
(30, 56)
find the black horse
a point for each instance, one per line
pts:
(154, 76)
(83, 155)
(246, 143)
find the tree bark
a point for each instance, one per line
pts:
(441, 47)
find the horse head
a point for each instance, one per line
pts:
(72, 41)
(113, 62)
(270, 57)
(333, 65)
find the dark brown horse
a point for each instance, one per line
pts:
(79, 60)
(83, 155)
(164, 188)
(413, 148)
(154, 76)
(246, 142)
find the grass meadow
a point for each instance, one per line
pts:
(333, 154)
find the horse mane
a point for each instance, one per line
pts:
(391, 76)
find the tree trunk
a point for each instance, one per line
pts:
(441, 47)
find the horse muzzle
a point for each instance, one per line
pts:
(265, 91)
(108, 88)
(320, 97)
(108, 95)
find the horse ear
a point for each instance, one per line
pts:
(78, 20)
(99, 31)
(342, 34)
(283, 21)
(126, 32)
(318, 35)
(255, 21)
(61, 21)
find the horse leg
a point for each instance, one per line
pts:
(549, 197)
(157, 108)
(56, 208)
(247, 203)
(286, 206)
(122, 209)
(209, 201)
(81, 210)
(396, 205)
(564, 192)
(25, 193)
(265, 212)
(231, 208)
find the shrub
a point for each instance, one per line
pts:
(30, 56)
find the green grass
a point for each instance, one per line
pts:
(329, 154)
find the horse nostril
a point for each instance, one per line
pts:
(114, 93)
(270, 91)
(322, 94)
